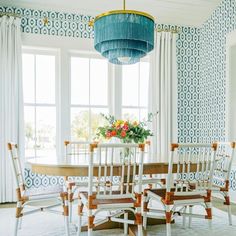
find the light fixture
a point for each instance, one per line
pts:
(124, 36)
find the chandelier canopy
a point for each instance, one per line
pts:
(124, 36)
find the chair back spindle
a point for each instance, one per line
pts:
(116, 185)
(224, 159)
(16, 167)
(184, 156)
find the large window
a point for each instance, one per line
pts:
(135, 91)
(39, 76)
(65, 101)
(89, 96)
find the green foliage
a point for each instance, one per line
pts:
(125, 130)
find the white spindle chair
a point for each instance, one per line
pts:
(25, 197)
(116, 198)
(221, 174)
(152, 180)
(179, 192)
(75, 149)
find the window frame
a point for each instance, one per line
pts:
(138, 107)
(90, 56)
(63, 90)
(50, 52)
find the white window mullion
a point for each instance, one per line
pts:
(63, 101)
(117, 92)
(35, 118)
(90, 122)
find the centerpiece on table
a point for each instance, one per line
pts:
(125, 130)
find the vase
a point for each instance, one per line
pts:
(123, 154)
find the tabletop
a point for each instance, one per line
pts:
(74, 166)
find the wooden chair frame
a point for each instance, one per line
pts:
(26, 197)
(115, 198)
(179, 192)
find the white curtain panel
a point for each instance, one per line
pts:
(11, 101)
(163, 94)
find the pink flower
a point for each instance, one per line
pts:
(108, 134)
(123, 134)
(125, 127)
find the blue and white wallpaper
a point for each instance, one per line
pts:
(201, 73)
(213, 73)
(213, 70)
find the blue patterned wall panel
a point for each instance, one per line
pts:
(213, 73)
(59, 23)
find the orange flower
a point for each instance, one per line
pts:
(113, 133)
(123, 134)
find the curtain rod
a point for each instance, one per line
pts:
(174, 31)
(9, 14)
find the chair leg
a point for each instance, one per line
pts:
(70, 211)
(168, 222)
(190, 217)
(230, 215)
(80, 213)
(209, 214)
(90, 223)
(144, 211)
(18, 216)
(145, 220)
(20, 222)
(126, 224)
(66, 212)
(90, 232)
(140, 230)
(184, 217)
(168, 229)
(16, 226)
(138, 220)
(227, 202)
(66, 218)
(70, 195)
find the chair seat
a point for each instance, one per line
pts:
(109, 201)
(162, 194)
(43, 192)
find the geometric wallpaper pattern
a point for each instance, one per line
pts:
(213, 73)
(193, 97)
(59, 23)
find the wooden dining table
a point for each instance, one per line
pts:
(74, 166)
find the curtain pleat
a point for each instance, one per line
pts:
(163, 94)
(11, 102)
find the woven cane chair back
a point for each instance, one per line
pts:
(201, 157)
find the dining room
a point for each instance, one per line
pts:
(117, 117)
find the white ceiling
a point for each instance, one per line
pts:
(179, 12)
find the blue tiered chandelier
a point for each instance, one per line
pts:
(124, 36)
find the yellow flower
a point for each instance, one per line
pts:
(119, 122)
(135, 123)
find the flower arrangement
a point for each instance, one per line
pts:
(125, 130)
